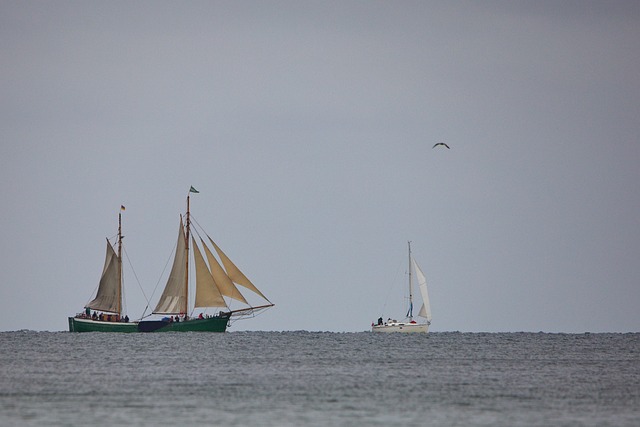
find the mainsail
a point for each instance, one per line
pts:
(425, 311)
(108, 295)
(174, 297)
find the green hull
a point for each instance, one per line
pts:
(88, 325)
(211, 324)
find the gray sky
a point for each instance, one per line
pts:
(307, 127)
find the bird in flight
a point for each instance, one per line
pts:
(441, 143)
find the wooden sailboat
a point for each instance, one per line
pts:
(108, 300)
(215, 285)
(409, 324)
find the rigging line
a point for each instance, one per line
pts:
(193, 220)
(134, 274)
(160, 278)
(254, 313)
(123, 308)
(195, 230)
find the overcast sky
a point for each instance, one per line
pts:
(308, 129)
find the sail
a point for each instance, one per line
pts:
(174, 297)
(207, 293)
(234, 272)
(108, 295)
(225, 285)
(425, 311)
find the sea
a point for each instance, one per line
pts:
(319, 379)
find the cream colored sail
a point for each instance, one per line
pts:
(425, 311)
(234, 272)
(207, 293)
(224, 283)
(108, 295)
(174, 298)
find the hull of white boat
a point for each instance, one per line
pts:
(401, 327)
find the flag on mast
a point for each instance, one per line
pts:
(193, 190)
(122, 207)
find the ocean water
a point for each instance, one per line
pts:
(321, 379)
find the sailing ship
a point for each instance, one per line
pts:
(409, 325)
(214, 285)
(108, 300)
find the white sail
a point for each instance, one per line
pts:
(425, 311)
(207, 293)
(174, 297)
(108, 295)
(234, 272)
(224, 283)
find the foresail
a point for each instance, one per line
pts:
(108, 295)
(207, 293)
(425, 311)
(234, 272)
(225, 285)
(174, 298)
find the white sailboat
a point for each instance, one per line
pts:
(408, 324)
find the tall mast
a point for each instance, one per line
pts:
(119, 307)
(186, 274)
(410, 313)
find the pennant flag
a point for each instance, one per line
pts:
(193, 190)
(122, 207)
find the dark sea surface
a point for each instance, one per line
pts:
(323, 379)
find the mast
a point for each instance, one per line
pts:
(119, 291)
(410, 312)
(186, 271)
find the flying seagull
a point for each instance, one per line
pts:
(441, 143)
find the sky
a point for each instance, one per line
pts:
(307, 127)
